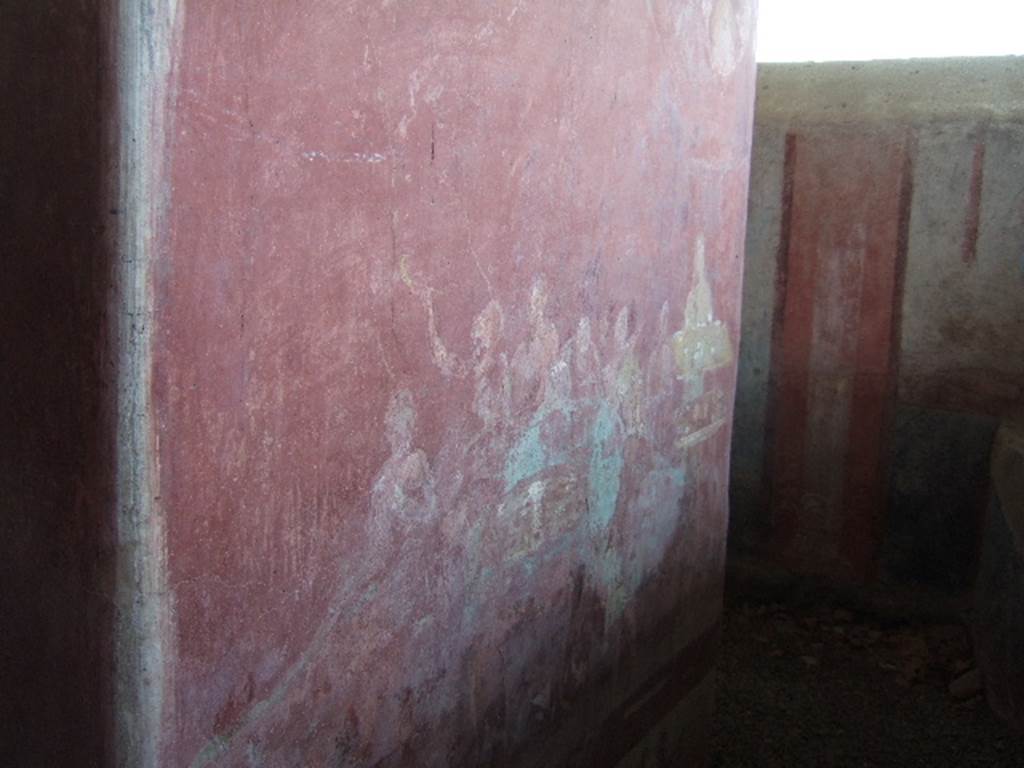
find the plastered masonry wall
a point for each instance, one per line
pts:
(445, 322)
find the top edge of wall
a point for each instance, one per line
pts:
(909, 89)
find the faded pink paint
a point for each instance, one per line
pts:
(422, 435)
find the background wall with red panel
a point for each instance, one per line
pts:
(883, 311)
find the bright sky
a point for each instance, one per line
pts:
(854, 30)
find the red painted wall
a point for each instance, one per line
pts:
(56, 514)
(446, 307)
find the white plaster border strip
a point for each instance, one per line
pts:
(143, 33)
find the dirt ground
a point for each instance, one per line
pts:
(821, 687)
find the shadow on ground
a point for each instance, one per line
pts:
(821, 687)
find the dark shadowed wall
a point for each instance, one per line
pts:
(56, 520)
(998, 612)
